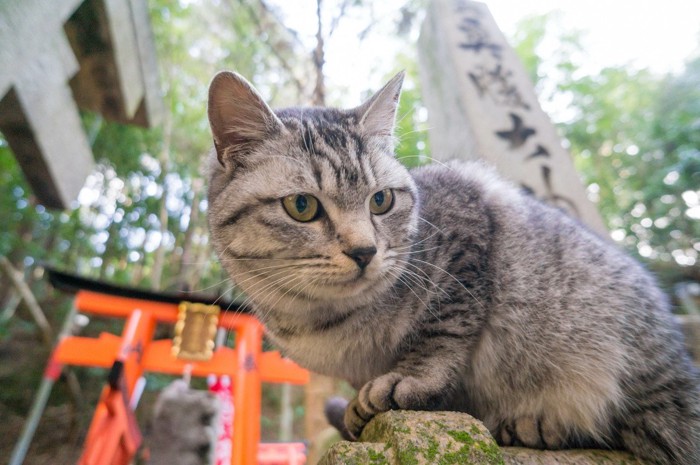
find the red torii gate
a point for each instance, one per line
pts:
(114, 436)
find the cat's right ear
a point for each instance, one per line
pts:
(238, 116)
(378, 114)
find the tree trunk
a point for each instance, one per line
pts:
(189, 266)
(112, 238)
(319, 96)
(159, 258)
(17, 279)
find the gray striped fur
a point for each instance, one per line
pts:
(479, 299)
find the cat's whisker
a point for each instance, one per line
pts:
(244, 258)
(454, 278)
(289, 284)
(408, 133)
(410, 288)
(300, 162)
(430, 159)
(429, 223)
(411, 245)
(418, 269)
(408, 263)
(303, 287)
(437, 290)
(300, 280)
(259, 297)
(201, 289)
(252, 291)
(392, 253)
(262, 276)
(221, 296)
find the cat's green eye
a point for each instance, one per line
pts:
(381, 202)
(301, 207)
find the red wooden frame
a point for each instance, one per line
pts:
(113, 437)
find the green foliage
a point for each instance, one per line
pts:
(411, 125)
(634, 139)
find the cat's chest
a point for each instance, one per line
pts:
(357, 352)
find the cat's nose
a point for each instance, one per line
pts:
(362, 255)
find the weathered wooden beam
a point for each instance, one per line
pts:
(38, 115)
(25, 28)
(151, 110)
(118, 75)
(109, 61)
(482, 104)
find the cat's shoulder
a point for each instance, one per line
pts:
(475, 177)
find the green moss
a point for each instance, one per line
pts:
(476, 430)
(461, 457)
(432, 451)
(408, 455)
(402, 429)
(377, 458)
(485, 447)
(491, 450)
(399, 426)
(461, 436)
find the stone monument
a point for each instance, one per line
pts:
(481, 104)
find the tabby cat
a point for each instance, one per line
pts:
(443, 287)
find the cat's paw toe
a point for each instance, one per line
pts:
(356, 417)
(375, 397)
(415, 394)
(378, 395)
(391, 391)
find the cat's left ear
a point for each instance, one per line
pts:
(239, 117)
(378, 114)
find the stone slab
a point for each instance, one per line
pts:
(401, 437)
(481, 104)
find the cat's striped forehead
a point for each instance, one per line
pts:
(339, 157)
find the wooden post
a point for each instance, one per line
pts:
(319, 389)
(481, 104)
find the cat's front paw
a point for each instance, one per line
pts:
(391, 391)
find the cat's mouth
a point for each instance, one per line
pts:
(351, 285)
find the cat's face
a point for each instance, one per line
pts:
(308, 207)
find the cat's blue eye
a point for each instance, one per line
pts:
(381, 202)
(301, 207)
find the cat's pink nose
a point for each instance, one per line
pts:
(362, 255)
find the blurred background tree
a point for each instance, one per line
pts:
(140, 220)
(634, 138)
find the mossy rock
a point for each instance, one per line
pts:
(433, 438)
(358, 453)
(402, 437)
(523, 456)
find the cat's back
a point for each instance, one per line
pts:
(566, 311)
(553, 286)
(538, 255)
